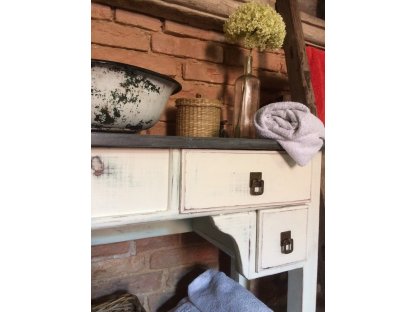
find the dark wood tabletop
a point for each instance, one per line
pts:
(130, 140)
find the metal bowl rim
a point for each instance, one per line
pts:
(148, 71)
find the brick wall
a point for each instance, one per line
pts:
(158, 270)
(201, 60)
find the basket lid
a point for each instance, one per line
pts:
(198, 101)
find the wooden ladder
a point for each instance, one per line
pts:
(296, 59)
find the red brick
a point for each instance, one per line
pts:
(169, 115)
(110, 249)
(192, 238)
(283, 70)
(193, 70)
(208, 91)
(181, 256)
(227, 114)
(153, 243)
(99, 11)
(269, 61)
(159, 63)
(229, 95)
(235, 56)
(186, 47)
(164, 301)
(162, 128)
(111, 268)
(113, 34)
(136, 19)
(135, 284)
(189, 31)
(272, 80)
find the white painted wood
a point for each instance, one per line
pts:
(174, 180)
(276, 270)
(206, 228)
(254, 273)
(294, 291)
(236, 276)
(117, 221)
(139, 231)
(173, 213)
(232, 233)
(271, 223)
(219, 180)
(213, 186)
(302, 283)
(133, 181)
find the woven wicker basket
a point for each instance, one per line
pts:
(123, 303)
(198, 117)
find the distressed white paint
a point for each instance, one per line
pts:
(174, 180)
(236, 276)
(240, 229)
(133, 181)
(172, 214)
(139, 231)
(220, 179)
(271, 223)
(247, 229)
(295, 287)
(305, 287)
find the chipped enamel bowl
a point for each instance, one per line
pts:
(127, 98)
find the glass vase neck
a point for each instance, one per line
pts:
(248, 65)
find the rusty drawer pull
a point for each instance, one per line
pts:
(256, 183)
(97, 166)
(286, 242)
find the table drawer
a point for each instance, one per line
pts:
(213, 180)
(273, 227)
(129, 181)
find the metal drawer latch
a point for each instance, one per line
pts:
(256, 183)
(286, 242)
(97, 166)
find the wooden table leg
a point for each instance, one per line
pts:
(301, 292)
(236, 276)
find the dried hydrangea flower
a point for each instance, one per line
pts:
(256, 25)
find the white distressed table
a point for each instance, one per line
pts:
(245, 196)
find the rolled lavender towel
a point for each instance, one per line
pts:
(214, 291)
(294, 127)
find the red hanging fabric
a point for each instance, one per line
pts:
(316, 59)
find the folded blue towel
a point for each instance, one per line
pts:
(213, 291)
(185, 306)
(294, 127)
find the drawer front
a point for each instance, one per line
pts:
(221, 179)
(271, 224)
(129, 181)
